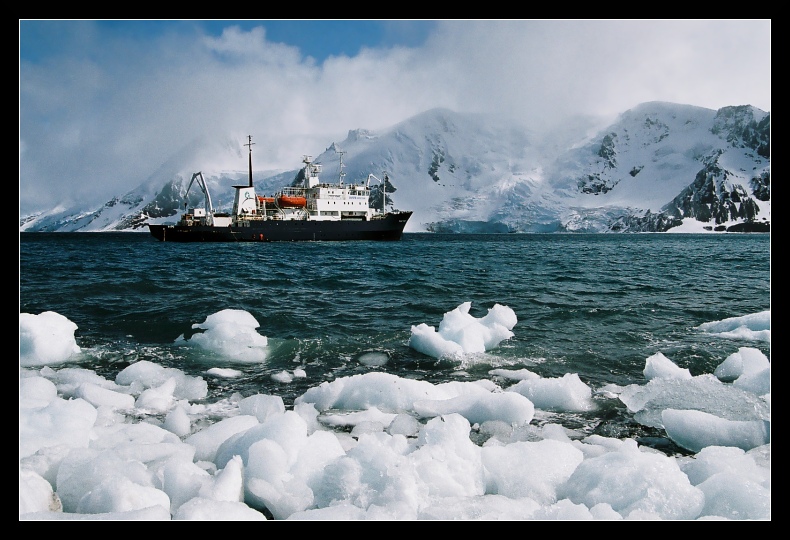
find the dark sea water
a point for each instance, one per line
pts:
(595, 305)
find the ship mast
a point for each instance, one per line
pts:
(342, 174)
(249, 144)
(384, 193)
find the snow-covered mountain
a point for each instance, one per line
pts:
(658, 167)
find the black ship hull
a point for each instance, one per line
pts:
(388, 228)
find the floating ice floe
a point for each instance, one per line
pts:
(460, 333)
(46, 338)
(230, 333)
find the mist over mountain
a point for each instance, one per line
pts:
(657, 167)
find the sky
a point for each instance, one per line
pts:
(103, 104)
(147, 445)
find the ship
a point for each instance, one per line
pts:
(312, 211)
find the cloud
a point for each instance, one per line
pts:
(543, 70)
(103, 112)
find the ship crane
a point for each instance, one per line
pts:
(204, 188)
(383, 190)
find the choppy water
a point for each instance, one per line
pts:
(595, 305)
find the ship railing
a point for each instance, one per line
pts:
(298, 191)
(336, 185)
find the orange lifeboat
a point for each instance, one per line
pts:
(267, 200)
(291, 201)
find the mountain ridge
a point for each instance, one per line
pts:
(657, 167)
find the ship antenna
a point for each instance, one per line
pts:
(250, 143)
